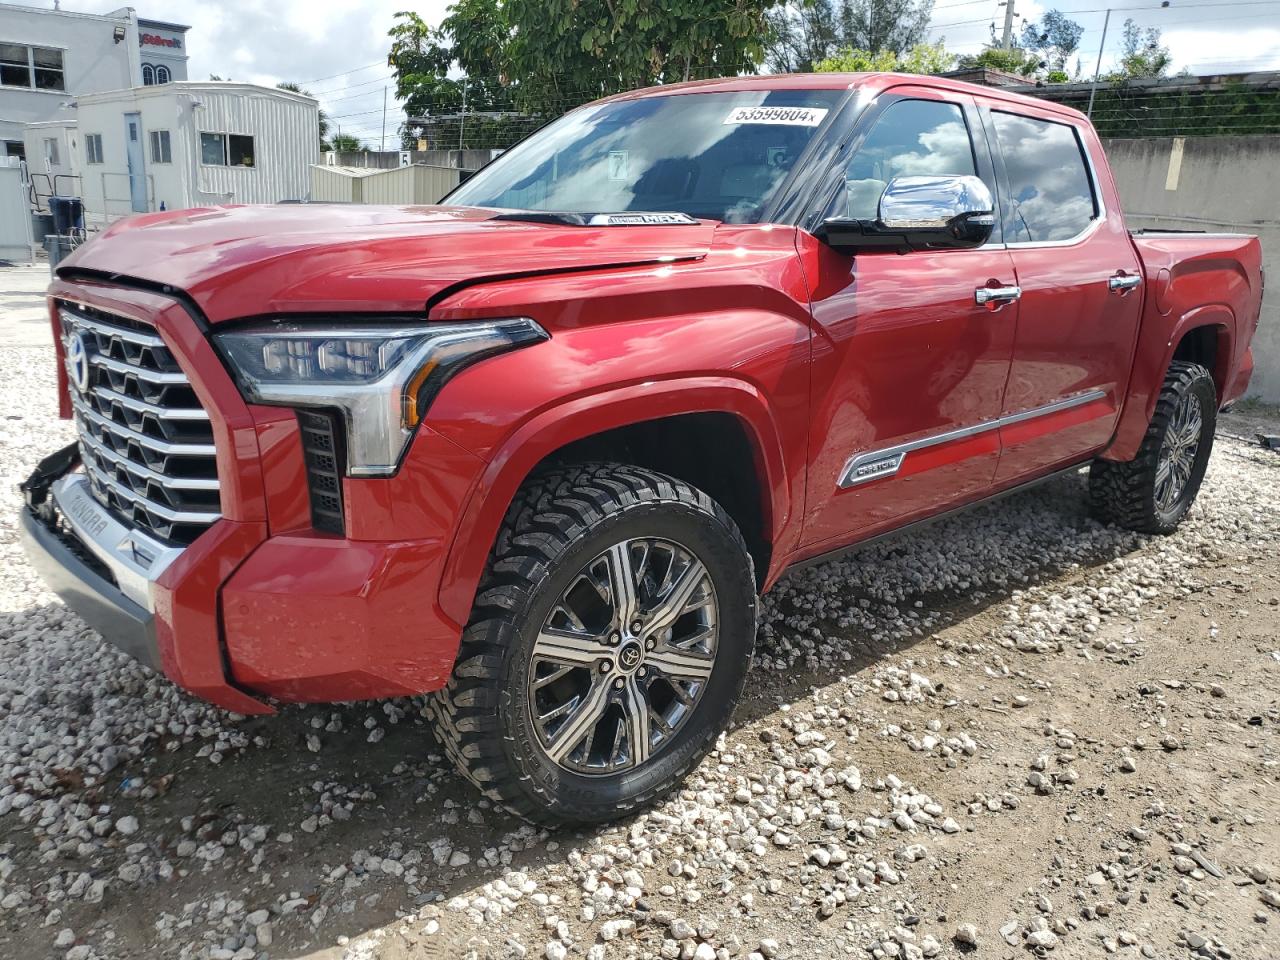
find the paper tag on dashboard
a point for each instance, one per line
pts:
(778, 116)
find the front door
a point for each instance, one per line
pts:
(1081, 302)
(137, 171)
(909, 369)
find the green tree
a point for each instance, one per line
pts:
(448, 75)
(1055, 39)
(800, 34)
(923, 58)
(1143, 54)
(324, 117)
(1011, 60)
(346, 143)
(562, 52)
(879, 25)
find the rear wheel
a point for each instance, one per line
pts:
(608, 646)
(1154, 491)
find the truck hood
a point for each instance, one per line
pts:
(240, 261)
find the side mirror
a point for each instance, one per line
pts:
(918, 213)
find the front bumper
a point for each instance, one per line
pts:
(260, 605)
(83, 588)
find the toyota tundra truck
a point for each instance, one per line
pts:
(537, 450)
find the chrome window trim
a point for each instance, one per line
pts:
(887, 461)
(1099, 218)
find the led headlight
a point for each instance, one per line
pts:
(382, 378)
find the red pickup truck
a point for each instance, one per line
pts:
(537, 450)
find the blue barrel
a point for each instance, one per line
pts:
(68, 214)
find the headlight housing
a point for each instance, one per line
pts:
(381, 377)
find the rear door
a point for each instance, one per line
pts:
(909, 368)
(1081, 298)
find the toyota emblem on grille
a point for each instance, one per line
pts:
(78, 362)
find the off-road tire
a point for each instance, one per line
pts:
(1124, 494)
(558, 521)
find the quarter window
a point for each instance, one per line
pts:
(36, 68)
(226, 150)
(93, 147)
(911, 138)
(1051, 192)
(160, 150)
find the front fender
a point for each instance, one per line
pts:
(586, 416)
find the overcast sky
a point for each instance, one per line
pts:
(338, 48)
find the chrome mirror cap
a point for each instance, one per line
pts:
(918, 213)
(935, 202)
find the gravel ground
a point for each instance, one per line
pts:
(1016, 732)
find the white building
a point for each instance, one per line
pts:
(48, 57)
(187, 144)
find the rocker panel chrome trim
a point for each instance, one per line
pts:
(887, 461)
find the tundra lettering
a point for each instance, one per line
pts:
(536, 451)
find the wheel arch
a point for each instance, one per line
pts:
(589, 427)
(1203, 335)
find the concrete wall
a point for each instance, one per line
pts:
(1217, 184)
(390, 159)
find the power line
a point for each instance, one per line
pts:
(345, 73)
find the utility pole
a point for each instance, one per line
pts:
(382, 144)
(462, 120)
(1093, 89)
(1007, 41)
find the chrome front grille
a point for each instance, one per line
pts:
(146, 442)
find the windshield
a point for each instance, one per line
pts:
(719, 156)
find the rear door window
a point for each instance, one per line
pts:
(1051, 193)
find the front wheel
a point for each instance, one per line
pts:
(1154, 491)
(608, 646)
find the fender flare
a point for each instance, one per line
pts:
(586, 416)
(1147, 378)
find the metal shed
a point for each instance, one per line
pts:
(188, 144)
(407, 185)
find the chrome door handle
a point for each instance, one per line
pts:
(1120, 282)
(996, 294)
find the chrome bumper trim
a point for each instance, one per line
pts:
(134, 558)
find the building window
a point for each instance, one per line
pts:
(163, 75)
(51, 152)
(148, 75)
(36, 68)
(93, 147)
(226, 150)
(160, 152)
(14, 148)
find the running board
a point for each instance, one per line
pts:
(916, 525)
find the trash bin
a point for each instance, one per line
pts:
(58, 247)
(68, 214)
(41, 226)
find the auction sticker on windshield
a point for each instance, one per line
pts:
(778, 116)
